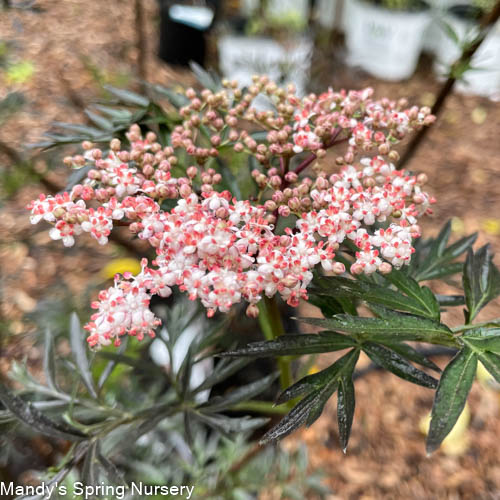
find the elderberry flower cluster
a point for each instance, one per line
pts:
(222, 250)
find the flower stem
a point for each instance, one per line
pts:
(272, 328)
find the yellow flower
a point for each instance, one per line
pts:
(457, 441)
(121, 266)
(491, 226)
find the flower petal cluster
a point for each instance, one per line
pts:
(221, 250)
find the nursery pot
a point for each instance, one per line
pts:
(386, 43)
(285, 61)
(484, 77)
(182, 31)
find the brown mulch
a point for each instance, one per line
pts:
(69, 43)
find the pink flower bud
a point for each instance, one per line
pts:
(252, 311)
(385, 268)
(338, 268)
(185, 190)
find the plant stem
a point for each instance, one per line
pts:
(272, 328)
(462, 328)
(265, 407)
(313, 156)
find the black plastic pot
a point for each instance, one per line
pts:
(179, 43)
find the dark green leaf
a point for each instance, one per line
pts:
(293, 420)
(323, 395)
(412, 354)
(433, 259)
(346, 403)
(491, 362)
(483, 339)
(419, 301)
(441, 271)
(318, 380)
(287, 345)
(481, 280)
(330, 306)
(36, 420)
(311, 406)
(422, 296)
(396, 364)
(451, 396)
(394, 327)
(78, 348)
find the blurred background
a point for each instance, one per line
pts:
(56, 57)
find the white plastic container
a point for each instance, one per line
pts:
(240, 57)
(484, 77)
(386, 43)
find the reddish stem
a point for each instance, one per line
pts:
(313, 156)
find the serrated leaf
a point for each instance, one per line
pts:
(78, 349)
(36, 420)
(483, 339)
(451, 396)
(328, 306)
(412, 354)
(287, 345)
(49, 361)
(318, 380)
(398, 365)
(393, 327)
(243, 393)
(346, 402)
(419, 301)
(491, 362)
(422, 296)
(128, 97)
(324, 394)
(311, 406)
(293, 420)
(433, 259)
(441, 271)
(481, 280)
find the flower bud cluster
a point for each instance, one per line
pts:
(222, 250)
